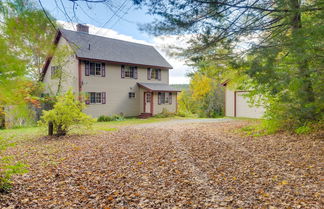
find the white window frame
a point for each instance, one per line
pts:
(95, 69)
(155, 73)
(164, 98)
(131, 95)
(129, 71)
(95, 97)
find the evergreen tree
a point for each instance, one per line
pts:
(275, 45)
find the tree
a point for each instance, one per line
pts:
(66, 114)
(276, 45)
(205, 97)
(61, 59)
(28, 32)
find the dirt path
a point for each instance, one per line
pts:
(172, 164)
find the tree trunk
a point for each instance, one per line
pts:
(60, 131)
(50, 128)
(306, 92)
(2, 120)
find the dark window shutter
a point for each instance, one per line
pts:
(159, 74)
(149, 73)
(87, 68)
(170, 98)
(135, 72)
(122, 71)
(103, 98)
(159, 98)
(103, 70)
(87, 99)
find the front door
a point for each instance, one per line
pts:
(147, 102)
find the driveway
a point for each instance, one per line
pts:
(194, 163)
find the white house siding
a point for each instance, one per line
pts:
(117, 90)
(244, 108)
(157, 108)
(69, 81)
(229, 102)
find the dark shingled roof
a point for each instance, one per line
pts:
(157, 86)
(108, 49)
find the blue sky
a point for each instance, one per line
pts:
(119, 15)
(120, 19)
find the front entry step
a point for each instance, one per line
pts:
(145, 115)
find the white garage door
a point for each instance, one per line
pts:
(244, 109)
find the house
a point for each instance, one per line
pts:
(119, 77)
(237, 105)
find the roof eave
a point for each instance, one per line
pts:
(224, 83)
(151, 90)
(123, 63)
(50, 56)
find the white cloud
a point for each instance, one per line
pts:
(161, 43)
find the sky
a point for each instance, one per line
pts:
(119, 19)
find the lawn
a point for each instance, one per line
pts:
(25, 133)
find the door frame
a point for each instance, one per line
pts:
(151, 102)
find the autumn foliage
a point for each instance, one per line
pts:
(66, 114)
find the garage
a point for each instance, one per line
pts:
(237, 104)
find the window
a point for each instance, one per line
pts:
(131, 95)
(128, 72)
(96, 97)
(148, 97)
(98, 68)
(54, 71)
(155, 74)
(95, 69)
(164, 98)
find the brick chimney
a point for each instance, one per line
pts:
(82, 28)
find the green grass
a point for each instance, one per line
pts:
(28, 133)
(244, 118)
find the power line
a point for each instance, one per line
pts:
(122, 17)
(68, 18)
(47, 15)
(111, 16)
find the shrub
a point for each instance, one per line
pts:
(165, 114)
(66, 114)
(104, 118)
(8, 167)
(186, 114)
(303, 130)
(118, 117)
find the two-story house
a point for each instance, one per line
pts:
(118, 76)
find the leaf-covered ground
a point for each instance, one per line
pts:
(174, 164)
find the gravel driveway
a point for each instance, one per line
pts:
(191, 163)
(180, 122)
